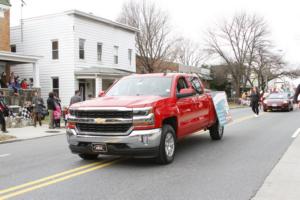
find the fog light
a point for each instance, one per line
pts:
(145, 139)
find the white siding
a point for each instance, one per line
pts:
(95, 32)
(38, 33)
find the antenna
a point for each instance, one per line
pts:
(22, 5)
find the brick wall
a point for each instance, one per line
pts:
(5, 32)
(163, 67)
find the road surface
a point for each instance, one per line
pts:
(233, 168)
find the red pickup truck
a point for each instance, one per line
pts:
(142, 116)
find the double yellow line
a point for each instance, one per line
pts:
(49, 180)
(62, 176)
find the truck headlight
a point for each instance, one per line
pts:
(143, 116)
(72, 112)
(142, 111)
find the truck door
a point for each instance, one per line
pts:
(186, 109)
(201, 104)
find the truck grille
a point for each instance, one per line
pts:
(104, 128)
(103, 114)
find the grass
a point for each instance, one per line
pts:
(4, 137)
(233, 105)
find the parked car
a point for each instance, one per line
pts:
(278, 101)
(142, 115)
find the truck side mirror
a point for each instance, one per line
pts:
(185, 92)
(101, 93)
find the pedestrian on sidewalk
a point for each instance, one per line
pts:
(255, 96)
(4, 112)
(57, 110)
(76, 98)
(51, 108)
(297, 92)
(38, 105)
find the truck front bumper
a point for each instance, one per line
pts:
(144, 143)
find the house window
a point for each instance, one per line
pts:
(99, 51)
(81, 48)
(55, 85)
(130, 56)
(54, 50)
(13, 48)
(116, 57)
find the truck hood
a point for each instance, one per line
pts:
(120, 101)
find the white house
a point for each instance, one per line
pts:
(77, 51)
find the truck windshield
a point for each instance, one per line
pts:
(142, 86)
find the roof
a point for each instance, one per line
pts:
(14, 58)
(102, 20)
(103, 71)
(5, 2)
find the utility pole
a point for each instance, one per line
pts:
(22, 5)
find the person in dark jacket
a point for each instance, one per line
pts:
(297, 92)
(255, 97)
(4, 111)
(38, 105)
(76, 98)
(51, 108)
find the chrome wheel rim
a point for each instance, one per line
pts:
(169, 145)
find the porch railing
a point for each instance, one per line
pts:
(19, 98)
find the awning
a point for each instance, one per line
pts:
(103, 71)
(14, 58)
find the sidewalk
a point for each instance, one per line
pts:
(31, 132)
(284, 180)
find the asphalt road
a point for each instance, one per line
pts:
(233, 168)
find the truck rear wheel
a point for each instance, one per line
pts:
(216, 131)
(167, 145)
(85, 156)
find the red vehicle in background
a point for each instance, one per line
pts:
(144, 116)
(278, 101)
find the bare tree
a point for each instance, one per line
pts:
(152, 41)
(188, 52)
(235, 42)
(267, 66)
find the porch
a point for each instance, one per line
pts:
(7, 60)
(91, 81)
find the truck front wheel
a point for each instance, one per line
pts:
(167, 145)
(216, 131)
(85, 156)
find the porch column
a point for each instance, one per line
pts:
(98, 85)
(36, 75)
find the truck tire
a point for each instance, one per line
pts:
(216, 131)
(85, 156)
(167, 145)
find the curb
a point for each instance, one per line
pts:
(19, 140)
(238, 107)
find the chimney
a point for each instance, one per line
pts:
(4, 25)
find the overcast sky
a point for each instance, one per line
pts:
(191, 18)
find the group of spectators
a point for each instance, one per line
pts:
(15, 82)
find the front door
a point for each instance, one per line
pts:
(201, 104)
(82, 90)
(186, 110)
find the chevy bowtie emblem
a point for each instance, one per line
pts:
(100, 121)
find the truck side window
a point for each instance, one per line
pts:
(181, 84)
(196, 84)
